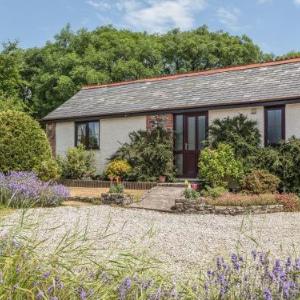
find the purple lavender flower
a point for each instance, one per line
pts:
(25, 189)
(83, 294)
(40, 295)
(235, 261)
(267, 294)
(254, 254)
(46, 275)
(124, 287)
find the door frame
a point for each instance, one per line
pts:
(185, 136)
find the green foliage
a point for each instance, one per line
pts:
(118, 169)
(239, 132)
(282, 161)
(23, 143)
(116, 189)
(214, 192)
(150, 154)
(219, 167)
(260, 182)
(46, 77)
(78, 163)
(191, 194)
(48, 170)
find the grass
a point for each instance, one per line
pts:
(4, 211)
(94, 192)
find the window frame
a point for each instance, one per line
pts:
(87, 146)
(283, 130)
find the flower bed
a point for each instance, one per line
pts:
(24, 189)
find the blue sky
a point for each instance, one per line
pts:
(272, 24)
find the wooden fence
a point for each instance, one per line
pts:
(105, 184)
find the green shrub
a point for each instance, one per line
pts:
(239, 132)
(116, 189)
(48, 170)
(214, 192)
(118, 169)
(218, 167)
(23, 143)
(191, 194)
(282, 161)
(150, 154)
(260, 182)
(78, 163)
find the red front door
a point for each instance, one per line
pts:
(190, 134)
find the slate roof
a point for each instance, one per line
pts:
(228, 86)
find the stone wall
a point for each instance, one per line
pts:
(183, 205)
(51, 134)
(161, 120)
(114, 198)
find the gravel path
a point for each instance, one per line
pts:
(182, 242)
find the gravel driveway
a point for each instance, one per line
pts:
(182, 242)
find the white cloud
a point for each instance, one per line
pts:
(297, 2)
(264, 1)
(229, 18)
(99, 5)
(154, 15)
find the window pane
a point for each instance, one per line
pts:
(178, 132)
(191, 133)
(274, 126)
(81, 134)
(179, 163)
(201, 131)
(93, 135)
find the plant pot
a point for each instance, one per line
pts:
(162, 179)
(195, 186)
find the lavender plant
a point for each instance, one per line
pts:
(24, 189)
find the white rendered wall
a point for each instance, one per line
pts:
(113, 133)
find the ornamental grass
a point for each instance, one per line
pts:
(71, 270)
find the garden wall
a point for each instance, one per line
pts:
(183, 205)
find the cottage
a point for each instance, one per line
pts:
(102, 116)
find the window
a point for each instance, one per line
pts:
(274, 125)
(88, 134)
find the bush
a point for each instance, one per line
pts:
(24, 189)
(78, 163)
(118, 169)
(214, 192)
(116, 189)
(239, 132)
(218, 167)
(149, 153)
(48, 170)
(282, 161)
(23, 143)
(260, 182)
(191, 194)
(291, 202)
